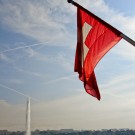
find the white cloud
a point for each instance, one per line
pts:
(39, 20)
(59, 58)
(126, 51)
(4, 58)
(65, 62)
(120, 86)
(31, 53)
(51, 20)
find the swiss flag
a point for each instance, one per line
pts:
(94, 39)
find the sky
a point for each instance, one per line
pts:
(37, 49)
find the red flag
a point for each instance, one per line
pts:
(95, 38)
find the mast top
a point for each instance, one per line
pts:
(70, 1)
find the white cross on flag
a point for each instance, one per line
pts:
(94, 39)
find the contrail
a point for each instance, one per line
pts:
(16, 91)
(60, 79)
(22, 47)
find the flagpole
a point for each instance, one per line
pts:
(127, 39)
(103, 22)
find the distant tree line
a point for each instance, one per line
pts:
(72, 132)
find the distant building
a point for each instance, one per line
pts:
(3, 132)
(66, 130)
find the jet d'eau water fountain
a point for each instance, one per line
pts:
(28, 131)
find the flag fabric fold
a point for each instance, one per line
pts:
(94, 40)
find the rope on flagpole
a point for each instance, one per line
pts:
(103, 22)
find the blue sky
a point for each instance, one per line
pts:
(37, 48)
